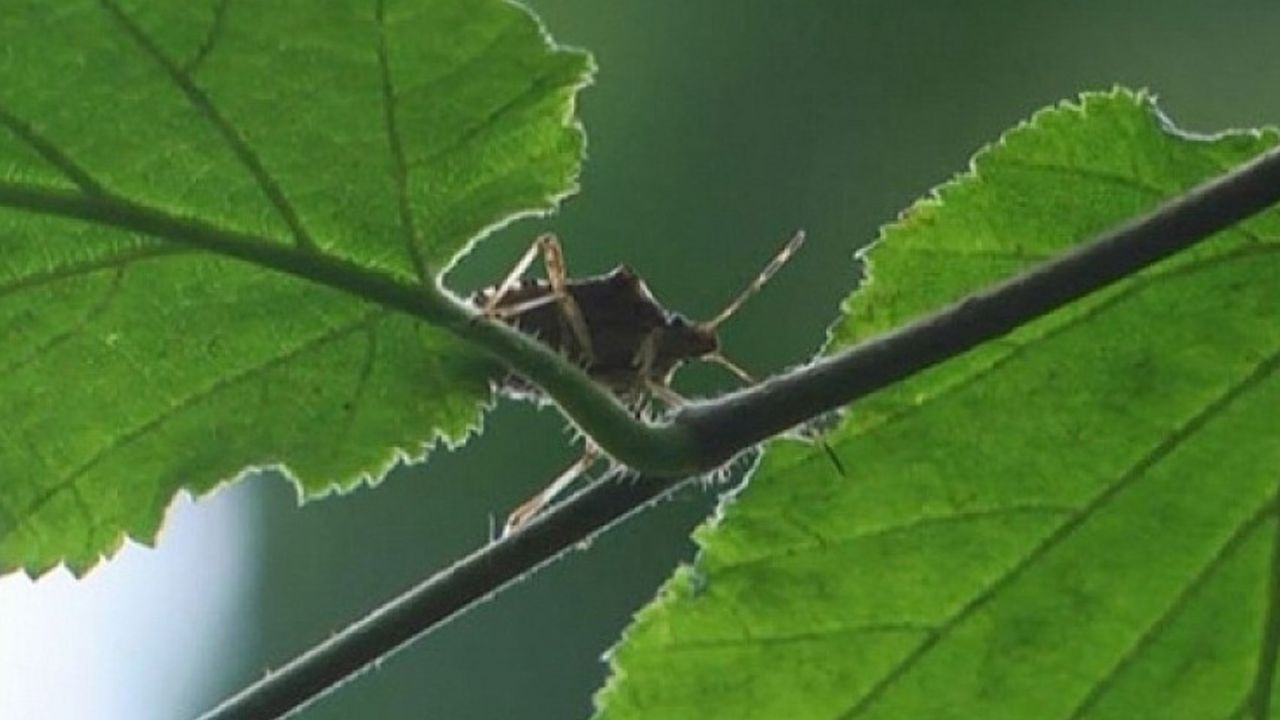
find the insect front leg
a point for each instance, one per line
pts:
(644, 361)
(557, 277)
(500, 291)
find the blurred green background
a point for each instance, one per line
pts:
(716, 129)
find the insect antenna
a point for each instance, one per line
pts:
(754, 286)
(709, 326)
(723, 361)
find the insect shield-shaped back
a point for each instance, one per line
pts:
(632, 340)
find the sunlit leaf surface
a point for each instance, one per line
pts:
(389, 134)
(1076, 521)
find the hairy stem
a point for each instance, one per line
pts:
(433, 601)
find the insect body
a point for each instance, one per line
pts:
(612, 326)
(627, 342)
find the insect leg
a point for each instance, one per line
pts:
(724, 362)
(517, 309)
(646, 354)
(673, 399)
(509, 282)
(557, 276)
(643, 361)
(535, 504)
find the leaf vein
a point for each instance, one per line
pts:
(466, 65)
(362, 380)
(190, 401)
(1158, 453)
(532, 90)
(51, 153)
(66, 272)
(92, 313)
(800, 637)
(988, 255)
(1259, 700)
(399, 170)
(1118, 179)
(231, 135)
(193, 64)
(1170, 613)
(917, 523)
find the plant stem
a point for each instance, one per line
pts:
(726, 426)
(434, 601)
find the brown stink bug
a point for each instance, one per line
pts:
(612, 326)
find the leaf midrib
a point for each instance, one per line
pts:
(322, 268)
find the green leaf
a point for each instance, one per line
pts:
(382, 136)
(1076, 521)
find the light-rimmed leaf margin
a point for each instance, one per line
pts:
(1078, 520)
(363, 134)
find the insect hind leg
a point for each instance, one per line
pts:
(531, 507)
